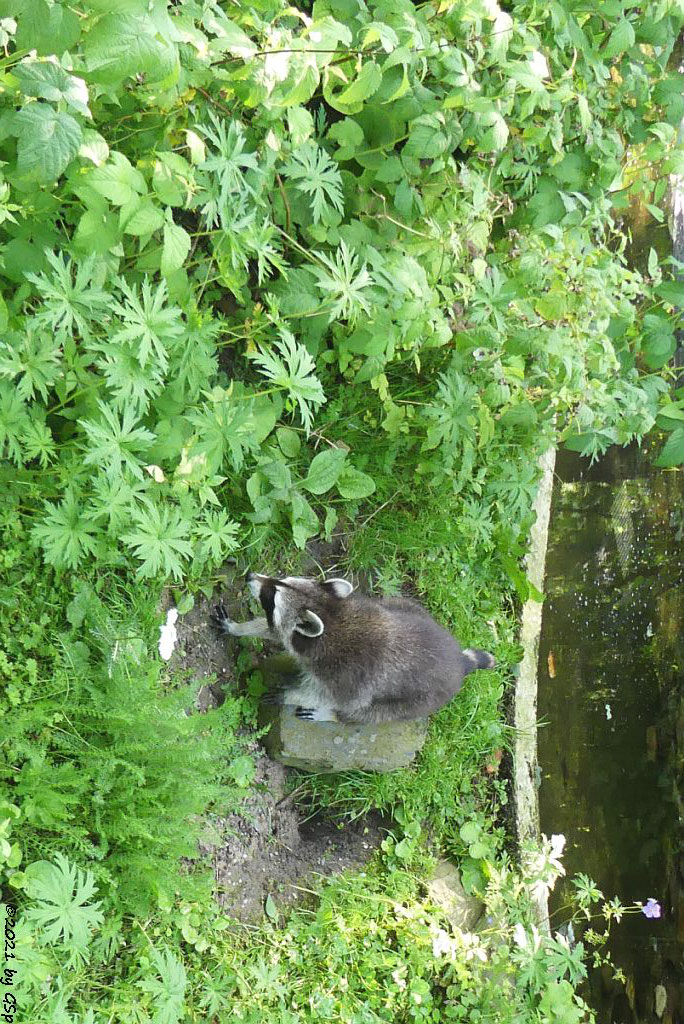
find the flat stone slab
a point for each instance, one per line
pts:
(446, 890)
(334, 747)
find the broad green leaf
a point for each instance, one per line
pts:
(121, 45)
(118, 181)
(671, 415)
(94, 148)
(48, 81)
(46, 29)
(176, 247)
(299, 124)
(48, 140)
(353, 484)
(300, 85)
(427, 138)
(380, 32)
(659, 341)
(97, 231)
(672, 292)
(348, 134)
(496, 136)
(366, 83)
(229, 37)
(621, 38)
(289, 442)
(144, 220)
(303, 518)
(324, 470)
(197, 147)
(672, 453)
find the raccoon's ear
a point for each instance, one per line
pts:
(339, 587)
(309, 624)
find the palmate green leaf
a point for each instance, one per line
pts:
(150, 326)
(113, 443)
(315, 174)
(61, 896)
(224, 427)
(168, 989)
(70, 297)
(341, 285)
(228, 166)
(289, 366)
(47, 141)
(114, 498)
(38, 442)
(159, 541)
(35, 359)
(67, 534)
(218, 534)
(131, 384)
(14, 419)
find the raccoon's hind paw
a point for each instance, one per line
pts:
(221, 618)
(274, 697)
(306, 714)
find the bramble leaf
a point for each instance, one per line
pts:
(47, 141)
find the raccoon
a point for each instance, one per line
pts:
(361, 659)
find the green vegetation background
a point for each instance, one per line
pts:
(270, 272)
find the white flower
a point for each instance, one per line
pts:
(168, 637)
(557, 845)
(442, 944)
(538, 64)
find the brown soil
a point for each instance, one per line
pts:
(269, 847)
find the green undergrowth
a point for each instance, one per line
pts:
(268, 274)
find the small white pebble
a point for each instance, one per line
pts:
(168, 636)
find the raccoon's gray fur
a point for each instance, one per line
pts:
(361, 659)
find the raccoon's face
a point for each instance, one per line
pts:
(296, 606)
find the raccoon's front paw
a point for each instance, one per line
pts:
(306, 714)
(221, 618)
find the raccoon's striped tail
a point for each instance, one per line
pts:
(478, 659)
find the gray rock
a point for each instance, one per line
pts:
(332, 746)
(446, 890)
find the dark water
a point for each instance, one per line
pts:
(611, 687)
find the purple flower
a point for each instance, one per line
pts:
(651, 908)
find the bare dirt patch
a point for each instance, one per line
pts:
(269, 847)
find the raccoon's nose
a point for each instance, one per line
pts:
(249, 576)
